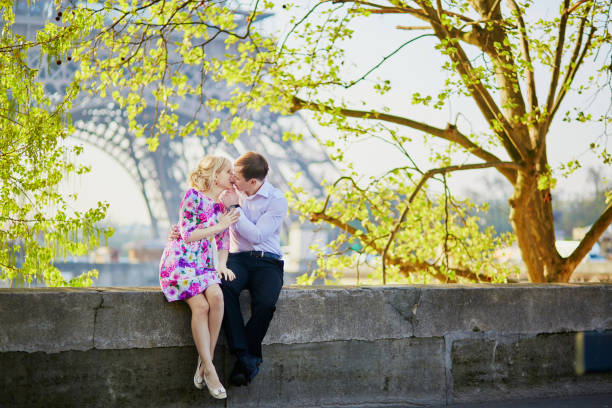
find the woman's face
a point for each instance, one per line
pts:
(225, 176)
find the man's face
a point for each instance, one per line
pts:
(238, 180)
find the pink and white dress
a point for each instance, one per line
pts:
(187, 269)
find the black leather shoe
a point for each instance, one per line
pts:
(251, 364)
(239, 375)
(253, 373)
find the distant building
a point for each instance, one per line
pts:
(104, 255)
(605, 242)
(579, 232)
(606, 246)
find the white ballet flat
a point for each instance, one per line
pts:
(218, 393)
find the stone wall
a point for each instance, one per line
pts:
(327, 346)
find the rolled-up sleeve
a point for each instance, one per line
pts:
(266, 226)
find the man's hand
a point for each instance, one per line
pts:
(229, 197)
(174, 233)
(225, 273)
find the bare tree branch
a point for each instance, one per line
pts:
(385, 58)
(322, 216)
(380, 9)
(493, 40)
(532, 97)
(356, 187)
(481, 95)
(558, 54)
(296, 25)
(406, 268)
(575, 6)
(427, 176)
(450, 133)
(494, 8)
(591, 237)
(572, 69)
(399, 27)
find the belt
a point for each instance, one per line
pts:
(261, 254)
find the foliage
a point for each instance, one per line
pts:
(438, 239)
(503, 57)
(36, 223)
(145, 49)
(500, 55)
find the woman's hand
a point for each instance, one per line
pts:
(225, 273)
(229, 218)
(174, 233)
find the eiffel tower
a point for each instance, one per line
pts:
(161, 175)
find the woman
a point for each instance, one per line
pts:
(191, 266)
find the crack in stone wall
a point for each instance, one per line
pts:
(95, 319)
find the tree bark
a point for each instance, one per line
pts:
(531, 218)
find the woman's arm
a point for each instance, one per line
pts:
(222, 270)
(204, 233)
(222, 257)
(225, 220)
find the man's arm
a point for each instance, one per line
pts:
(267, 224)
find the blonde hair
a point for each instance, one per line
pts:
(203, 177)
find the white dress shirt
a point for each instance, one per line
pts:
(261, 218)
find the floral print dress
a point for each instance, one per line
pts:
(187, 269)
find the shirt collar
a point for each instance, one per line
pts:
(263, 191)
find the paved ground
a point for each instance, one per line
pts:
(599, 401)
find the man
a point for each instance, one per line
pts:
(255, 259)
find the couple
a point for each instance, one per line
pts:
(227, 241)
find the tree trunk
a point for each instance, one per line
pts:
(531, 217)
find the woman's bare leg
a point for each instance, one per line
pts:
(201, 337)
(214, 296)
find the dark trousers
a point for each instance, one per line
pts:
(263, 277)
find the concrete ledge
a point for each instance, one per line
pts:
(115, 318)
(524, 308)
(140, 318)
(342, 313)
(327, 346)
(47, 320)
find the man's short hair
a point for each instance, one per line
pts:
(252, 165)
